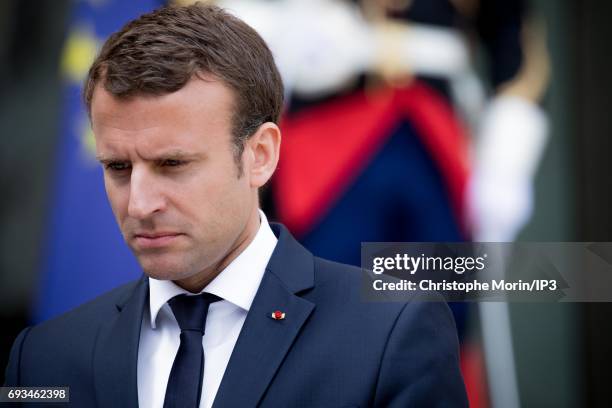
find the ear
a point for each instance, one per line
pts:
(263, 150)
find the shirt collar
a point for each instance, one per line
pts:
(237, 283)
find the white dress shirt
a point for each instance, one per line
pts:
(160, 333)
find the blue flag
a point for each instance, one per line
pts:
(84, 253)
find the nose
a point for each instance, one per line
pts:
(146, 194)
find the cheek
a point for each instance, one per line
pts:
(219, 200)
(118, 197)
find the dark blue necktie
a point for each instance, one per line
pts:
(185, 382)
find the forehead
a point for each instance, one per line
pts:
(203, 101)
(195, 120)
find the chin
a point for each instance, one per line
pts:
(165, 269)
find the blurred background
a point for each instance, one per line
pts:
(406, 120)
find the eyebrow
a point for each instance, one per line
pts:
(171, 154)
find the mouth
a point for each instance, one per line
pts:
(155, 240)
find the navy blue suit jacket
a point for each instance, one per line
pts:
(331, 350)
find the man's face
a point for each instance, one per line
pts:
(171, 178)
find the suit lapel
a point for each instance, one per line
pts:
(116, 351)
(264, 341)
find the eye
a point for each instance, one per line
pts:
(117, 166)
(172, 163)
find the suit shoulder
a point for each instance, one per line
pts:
(338, 276)
(348, 283)
(344, 283)
(95, 310)
(336, 270)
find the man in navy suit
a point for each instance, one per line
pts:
(232, 311)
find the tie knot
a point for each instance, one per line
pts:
(190, 311)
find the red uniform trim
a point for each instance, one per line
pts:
(325, 148)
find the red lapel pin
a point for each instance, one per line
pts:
(278, 315)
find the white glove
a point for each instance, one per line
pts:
(510, 143)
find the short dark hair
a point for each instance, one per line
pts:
(159, 52)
